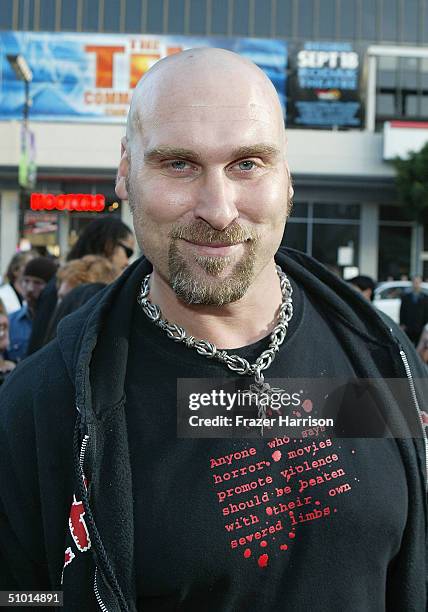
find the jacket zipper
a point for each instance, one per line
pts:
(81, 461)
(97, 593)
(416, 403)
(83, 450)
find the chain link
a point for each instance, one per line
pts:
(208, 349)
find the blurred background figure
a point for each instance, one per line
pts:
(365, 284)
(6, 365)
(422, 347)
(77, 281)
(89, 269)
(106, 236)
(11, 290)
(414, 311)
(36, 275)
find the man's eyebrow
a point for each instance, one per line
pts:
(158, 153)
(257, 150)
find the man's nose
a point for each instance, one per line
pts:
(216, 200)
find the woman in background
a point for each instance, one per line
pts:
(6, 366)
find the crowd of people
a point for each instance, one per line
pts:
(413, 310)
(38, 291)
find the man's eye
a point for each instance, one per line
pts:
(246, 165)
(178, 164)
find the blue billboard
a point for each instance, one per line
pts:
(90, 77)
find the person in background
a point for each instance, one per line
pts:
(77, 281)
(89, 269)
(37, 273)
(105, 236)
(414, 310)
(365, 285)
(11, 291)
(6, 365)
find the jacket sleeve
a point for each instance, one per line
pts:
(21, 540)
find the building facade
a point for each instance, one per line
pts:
(345, 209)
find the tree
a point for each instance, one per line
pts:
(412, 183)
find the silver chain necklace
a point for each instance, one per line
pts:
(208, 349)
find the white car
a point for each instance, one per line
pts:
(387, 297)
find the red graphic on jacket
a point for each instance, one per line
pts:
(78, 529)
(69, 556)
(77, 525)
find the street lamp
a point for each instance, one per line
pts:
(23, 72)
(27, 167)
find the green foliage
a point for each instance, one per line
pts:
(412, 183)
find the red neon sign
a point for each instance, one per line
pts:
(80, 202)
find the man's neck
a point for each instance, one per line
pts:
(230, 326)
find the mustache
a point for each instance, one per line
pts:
(201, 232)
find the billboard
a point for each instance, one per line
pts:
(324, 86)
(90, 77)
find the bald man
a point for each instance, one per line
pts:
(106, 495)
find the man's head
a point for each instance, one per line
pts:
(204, 169)
(37, 273)
(365, 285)
(416, 283)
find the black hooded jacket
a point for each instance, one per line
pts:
(63, 444)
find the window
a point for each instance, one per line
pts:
(25, 14)
(295, 236)
(348, 19)
(394, 256)
(284, 19)
(305, 18)
(154, 16)
(385, 104)
(368, 20)
(300, 209)
(262, 17)
(327, 19)
(389, 24)
(412, 107)
(409, 72)
(90, 16)
(133, 17)
(69, 15)
(47, 16)
(240, 17)
(219, 16)
(336, 211)
(6, 15)
(393, 213)
(410, 21)
(387, 71)
(424, 106)
(176, 17)
(198, 16)
(112, 16)
(328, 237)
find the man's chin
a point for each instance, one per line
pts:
(213, 288)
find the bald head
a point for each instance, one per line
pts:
(199, 80)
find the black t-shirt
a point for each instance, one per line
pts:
(271, 524)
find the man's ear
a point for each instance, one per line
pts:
(122, 172)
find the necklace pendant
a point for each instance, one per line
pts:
(263, 392)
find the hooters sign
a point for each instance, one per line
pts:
(80, 202)
(90, 77)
